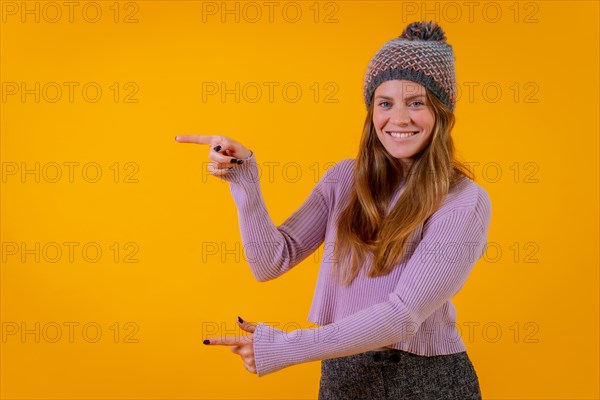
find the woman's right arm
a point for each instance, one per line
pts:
(270, 250)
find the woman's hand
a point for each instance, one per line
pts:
(224, 153)
(242, 345)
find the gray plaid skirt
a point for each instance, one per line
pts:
(396, 374)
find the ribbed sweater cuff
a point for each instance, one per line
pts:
(269, 346)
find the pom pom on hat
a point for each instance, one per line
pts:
(424, 31)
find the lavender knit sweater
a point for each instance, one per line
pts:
(409, 309)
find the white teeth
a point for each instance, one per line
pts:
(401, 135)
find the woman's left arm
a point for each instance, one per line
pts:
(429, 280)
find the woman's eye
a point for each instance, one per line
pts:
(383, 103)
(418, 103)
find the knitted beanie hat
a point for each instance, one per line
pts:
(420, 54)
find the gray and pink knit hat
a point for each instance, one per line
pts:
(420, 54)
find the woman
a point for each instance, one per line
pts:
(403, 226)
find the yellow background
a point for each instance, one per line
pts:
(533, 308)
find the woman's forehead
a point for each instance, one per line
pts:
(400, 87)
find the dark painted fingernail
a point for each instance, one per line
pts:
(240, 320)
(206, 341)
(240, 161)
(234, 160)
(217, 148)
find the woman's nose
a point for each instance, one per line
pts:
(401, 116)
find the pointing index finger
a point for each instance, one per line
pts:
(227, 340)
(198, 139)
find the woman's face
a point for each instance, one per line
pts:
(400, 107)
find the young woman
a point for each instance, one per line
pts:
(403, 225)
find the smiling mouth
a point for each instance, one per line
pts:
(401, 135)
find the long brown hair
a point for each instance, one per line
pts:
(363, 227)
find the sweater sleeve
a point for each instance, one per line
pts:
(272, 250)
(433, 274)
